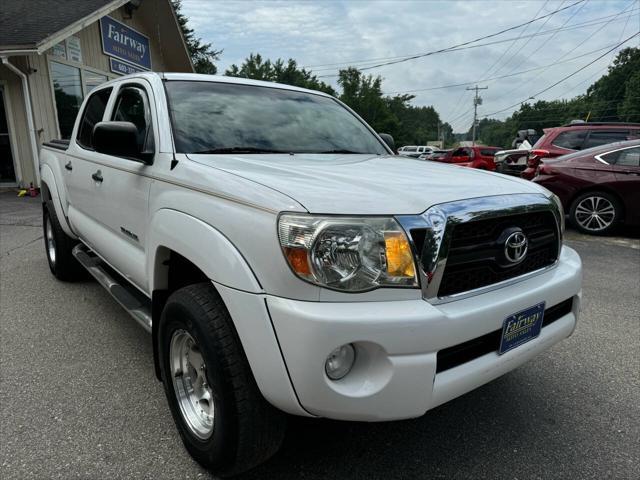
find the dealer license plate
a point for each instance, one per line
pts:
(521, 327)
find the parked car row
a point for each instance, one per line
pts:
(576, 136)
(599, 186)
(478, 156)
(593, 167)
(415, 150)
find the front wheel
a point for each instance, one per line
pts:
(224, 421)
(596, 213)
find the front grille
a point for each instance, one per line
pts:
(475, 257)
(465, 352)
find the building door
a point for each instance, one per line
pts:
(7, 169)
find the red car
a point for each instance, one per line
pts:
(599, 187)
(475, 157)
(577, 136)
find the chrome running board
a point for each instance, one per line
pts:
(133, 301)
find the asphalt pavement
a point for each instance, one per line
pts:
(79, 398)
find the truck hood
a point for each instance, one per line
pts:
(365, 184)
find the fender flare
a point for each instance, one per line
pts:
(200, 243)
(48, 179)
(218, 258)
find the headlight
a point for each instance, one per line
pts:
(558, 203)
(347, 253)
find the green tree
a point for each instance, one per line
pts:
(608, 93)
(363, 93)
(202, 54)
(288, 72)
(629, 110)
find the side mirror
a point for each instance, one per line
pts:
(119, 139)
(388, 139)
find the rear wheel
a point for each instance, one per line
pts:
(595, 213)
(224, 421)
(58, 247)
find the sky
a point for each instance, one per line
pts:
(319, 34)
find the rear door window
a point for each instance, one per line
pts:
(602, 137)
(487, 152)
(572, 140)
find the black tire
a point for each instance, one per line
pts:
(247, 430)
(605, 203)
(61, 261)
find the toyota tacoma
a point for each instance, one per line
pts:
(284, 260)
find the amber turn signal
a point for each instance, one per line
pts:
(297, 258)
(399, 255)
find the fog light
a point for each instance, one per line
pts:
(340, 361)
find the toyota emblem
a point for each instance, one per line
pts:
(515, 247)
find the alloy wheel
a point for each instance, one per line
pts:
(190, 384)
(50, 240)
(595, 213)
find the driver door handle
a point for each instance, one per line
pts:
(68, 166)
(97, 176)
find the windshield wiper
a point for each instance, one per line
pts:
(238, 150)
(343, 151)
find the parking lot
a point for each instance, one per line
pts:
(79, 398)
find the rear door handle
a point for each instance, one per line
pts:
(68, 166)
(97, 176)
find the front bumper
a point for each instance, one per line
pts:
(397, 343)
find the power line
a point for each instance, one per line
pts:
(550, 38)
(588, 23)
(565, 77)
(459, 103)
(452, 85)
(522, 33)
(468, 47)
(531, 80)
(413, 57)
(519, 36)
(454, 46)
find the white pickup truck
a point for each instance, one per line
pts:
(285, 261)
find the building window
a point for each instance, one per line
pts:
(92, 80)
(67, 88)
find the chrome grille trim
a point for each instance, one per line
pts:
(438, 222)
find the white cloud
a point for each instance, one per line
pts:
(326, 31)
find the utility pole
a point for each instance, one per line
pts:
(477, 100)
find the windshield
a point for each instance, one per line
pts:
(211, 117)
